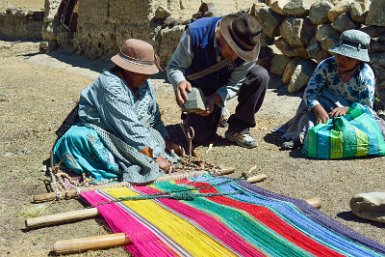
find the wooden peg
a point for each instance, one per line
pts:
(90, 243)
(257, 178)
(61, 218)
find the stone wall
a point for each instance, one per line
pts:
(20, 24)
(103, 25)
(298, 35)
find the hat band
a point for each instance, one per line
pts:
(353, 44)
(239, 41)
(134, 60)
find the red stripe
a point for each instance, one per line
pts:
(271, 220)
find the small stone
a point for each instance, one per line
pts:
(26, 151)
(161, 13)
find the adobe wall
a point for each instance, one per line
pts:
(103, 25)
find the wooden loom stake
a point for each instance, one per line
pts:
(90, 243)
(60, 218)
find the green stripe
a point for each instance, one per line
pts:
(240, 222)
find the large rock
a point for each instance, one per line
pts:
(301, 75)
(278, 64)
(298, 8)
(315, 51)
(373, 31)
(278, 5)
(377, 45)
(289, 69)
(341, 7)
(344, 22)
(269, 20)
(327, 36)
(290, 51)
(359, 10)
(169, 39)
(297, 31)
(376, 15)
(319, 12)
(370, 206)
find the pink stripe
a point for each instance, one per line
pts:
(208, 223)
(144, 242)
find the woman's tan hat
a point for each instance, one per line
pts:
(242, 34)
(137, 56)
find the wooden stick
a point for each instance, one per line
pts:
(61, 218)
(257, 178)
(90, 243)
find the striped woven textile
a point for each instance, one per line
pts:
(219, 216)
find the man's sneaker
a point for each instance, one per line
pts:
(243, 139)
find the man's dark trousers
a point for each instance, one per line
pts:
(250, 99)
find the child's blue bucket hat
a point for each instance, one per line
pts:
(354, 44)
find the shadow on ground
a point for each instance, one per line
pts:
(348, 216)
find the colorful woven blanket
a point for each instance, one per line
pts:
(219, 216)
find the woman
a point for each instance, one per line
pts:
(336, 84)
(120, 133)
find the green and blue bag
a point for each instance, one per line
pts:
(356, 134)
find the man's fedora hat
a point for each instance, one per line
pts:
(242, 33)
(354, 44)
(137, 56)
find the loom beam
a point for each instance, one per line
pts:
(90, 243)
(61, 218)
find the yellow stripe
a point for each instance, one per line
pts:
(362, 143)
(196, 242)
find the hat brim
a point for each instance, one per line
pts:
(351, 52)
(134, 67)
(244, 55)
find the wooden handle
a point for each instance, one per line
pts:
(90, 243)
(68, 194)
(60, 218)
(257, 178)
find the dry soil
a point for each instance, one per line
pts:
(38, 90)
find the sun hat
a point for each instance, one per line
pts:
(354, 44)
(137, 56)
(242, 33)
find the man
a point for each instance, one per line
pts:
(120, 133)
(232, 44)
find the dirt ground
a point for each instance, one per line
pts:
(38, 90)
(29, 4)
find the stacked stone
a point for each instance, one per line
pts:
(20, 24)
(297, 34)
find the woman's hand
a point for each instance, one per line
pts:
(320, 113)
(163, 164)
(174, 148)
(339, 111)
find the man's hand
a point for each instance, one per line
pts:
(182, 89)
(211, 101)
(339, 111)
(175, 148)
(320, 113)
(163, 164)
